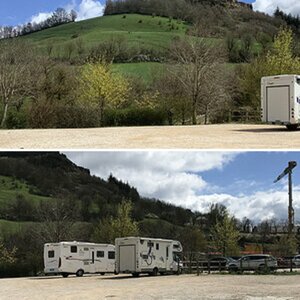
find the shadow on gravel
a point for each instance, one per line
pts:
(124, 277)
(264, 130)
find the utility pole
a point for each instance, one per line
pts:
(289, 171)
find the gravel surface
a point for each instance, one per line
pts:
(225, 136)
(207, 287)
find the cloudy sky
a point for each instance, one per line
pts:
(13, 12)
(241, 181)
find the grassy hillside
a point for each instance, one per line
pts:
(137, 30)
(11, 187)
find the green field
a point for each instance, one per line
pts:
(144, 71)
(137, 30)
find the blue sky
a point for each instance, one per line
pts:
(19, 11)
(242, 181)
(15, 12)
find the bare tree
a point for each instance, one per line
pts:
(58, 218)
(198, 69)
(14, 73)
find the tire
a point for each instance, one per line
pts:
(154, 272)
(135, 274)
(232, 269)
(79, 273)
(65, 275)
(263, 268)
(292, 127)
(102, 273)
(162, 273)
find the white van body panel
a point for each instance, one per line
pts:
(69, 257)
(280, 98)
(143, 255)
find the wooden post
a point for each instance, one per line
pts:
(291, 265)
(220, 268)
(208, 266)
(198, 271)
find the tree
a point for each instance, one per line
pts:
(225, 236)
(101, 88)
(15, 59)
(7, 256)
(193, 241)
(57, 218)
(279, 60)
(286, 246)
(198, 64)
(120, 226)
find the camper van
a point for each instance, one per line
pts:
(280, 100)
(136, 255)
(67, 258)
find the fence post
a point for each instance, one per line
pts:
(198, 271)
(291, 265)
(208, 265)
(178, 266)
(220, 269)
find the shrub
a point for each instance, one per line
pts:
(134, 117)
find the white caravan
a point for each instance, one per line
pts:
(67, 258)
(280, 100)
(135, 255)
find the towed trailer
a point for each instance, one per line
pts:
(280, 100)
(136, 255)
(67, 258)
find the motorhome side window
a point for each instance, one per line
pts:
(51, 253)
(100, 253)
(73, 249)
(167, 253)
(111, 254)
(150, 244)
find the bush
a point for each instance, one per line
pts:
(16, 119)
(134, 117)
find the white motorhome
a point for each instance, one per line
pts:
(136, 255)
(280, 100)
(67, 258)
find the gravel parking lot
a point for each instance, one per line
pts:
(225, 136)
(248, 287)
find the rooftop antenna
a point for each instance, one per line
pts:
(289, 171)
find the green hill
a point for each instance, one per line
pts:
(30, 180)
(137, 30)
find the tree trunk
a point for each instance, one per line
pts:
(4, 115)
(194, 116)
(101, 113)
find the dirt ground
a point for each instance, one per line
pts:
(247, 287)
(225, 136)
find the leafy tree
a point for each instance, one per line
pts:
(101, 88)
(225, 236)
(286, 246)
(279, 60)
(193, 241)
(122, 225)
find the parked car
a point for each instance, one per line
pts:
(253, 262)
(220, 262)
(296, 261)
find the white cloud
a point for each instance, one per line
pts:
(176, 178)
(89, 9)
(40, 17)
(269, 6)
(170, 176)
(86, 9)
